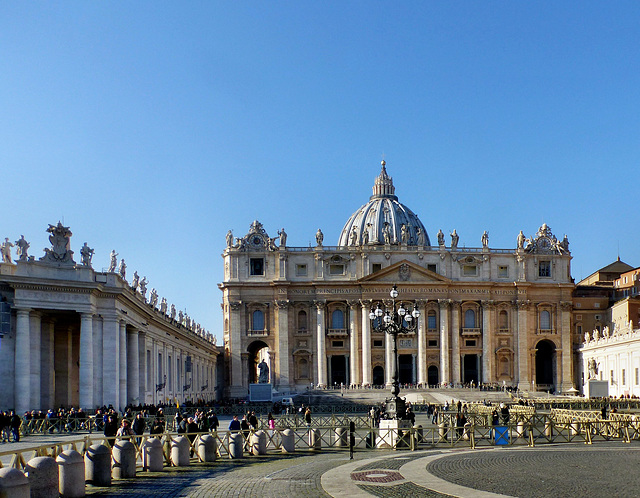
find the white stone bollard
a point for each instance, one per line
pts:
(43, 477)
(71, 474)
(124, 460)
(180, 449)
(419, 434)
(152, 456)
(548, 429)
(521, 430)
(97, 465)
(259, 443)
(314, 439)
(235, 446)
(288, 441)
(442, 431)
(340, 437)
(13, 484)
(207, 448)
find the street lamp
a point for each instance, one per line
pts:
(395, 321)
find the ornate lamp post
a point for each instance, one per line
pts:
(395, 321)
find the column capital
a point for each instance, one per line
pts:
(23, 311)
(444, 303)
(566, 305)
(282, 304)
(353, 304)
(366, 303)
(235, 305)
(488, 304)
(320, 305)
(523, 305)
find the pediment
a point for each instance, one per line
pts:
(404, 271)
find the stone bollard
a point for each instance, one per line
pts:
(71, 474)
(548, 429)
(124, 460)
(340, 437)
(521, 430)
(180, 449)
(14, 484)
(419, 434)
(442, 431)
(97, 465)
(466, 431)
(288, 441)
(575, 428)
(152, 457)
(314, 439)
(236, 451)
(43, 477)
(207, 448)
(258, 443)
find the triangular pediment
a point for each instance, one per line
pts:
(404, 271)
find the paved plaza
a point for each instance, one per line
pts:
(559, 470)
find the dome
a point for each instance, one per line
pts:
(383, 217)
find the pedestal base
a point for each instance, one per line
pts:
(596, 388)
(391, 432)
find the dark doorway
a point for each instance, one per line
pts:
(258, 350)
(405, 369)
(432, 376)
(338, 370)
(545, 365)
(378, 376)
(470, 369)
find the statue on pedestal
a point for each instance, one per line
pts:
(153, 298)
(440, 238)
(592, 367)
(172, 315)
(60, 251)
(143, 287)
(229, 239)
(454, 239)
(283, 238)
(353, 239)
(135, 281)
(163, 306)
(21, 249)
(386, 232)
(6, 251)
(122, 269)
(180, 317)
(113, 262)
(520, 240)
(404, 234)
(263, 377)
(421, 239)
(485, 239)
(86, 254)
(319, 238)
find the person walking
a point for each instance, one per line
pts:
(307, 416)
(15, 422)
(111, 429)
(139, 426)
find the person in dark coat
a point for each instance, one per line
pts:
(191, 429)
(111, 429)
(139, 426)
(157, 427)
(15, 422)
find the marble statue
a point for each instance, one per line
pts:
(454, 238)
(187, 321)
(592, 367)
(163, 306)
(153, 298)
(283, 238)
(113, 264)
(21, 249)
(319, 238)
(263, 378)
(173, 312)
(122, 269)
(605, 332)
(180, 317)
(86, 254)
(586, 337)
(60, 251)
(6, 251)
(143, 287)
(404, 234)
(421, 239)
(596, 334)
(215, 339)
(440, 238)
(485, 239)
(353, 238)
(135, 281)
(564, 244)
(520, 240)
(386, 232)
(229, 238)
(365, 235)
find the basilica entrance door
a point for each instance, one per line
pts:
(338, 366)
(545, 365)
(470, 369)
(432, 376)
(378, 376)
(405, 369)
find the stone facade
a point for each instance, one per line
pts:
(487, 315)
(72, 336)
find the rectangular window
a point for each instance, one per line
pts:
(624, 377)
(256, 266)
(578, 317)
(544, 269)
(433, 268)
(301, 270)
(503, 272)
(377, 343)
(469, 270)
(611, 376)
(470, 343)
(431, 322)
(337, 344)
(579, 330)
(5, 318)
(578, 305)
(433, 343)
(376, 267)
(596, 305)
(336, 269)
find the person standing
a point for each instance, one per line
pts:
(15, 423)
(111, 429)
(139, 426)
(307, 416)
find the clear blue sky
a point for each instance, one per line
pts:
(153, 127)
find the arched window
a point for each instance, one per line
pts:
(505, 368)
(503, 320)
(337, 319)
(431, 320)
(302, 320)
(258, 320)
(545, 320)
(469, 319)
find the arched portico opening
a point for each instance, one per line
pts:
(258, 351)
(546, 365)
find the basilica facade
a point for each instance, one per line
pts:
(492, 316)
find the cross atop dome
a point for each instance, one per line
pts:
(383, 186)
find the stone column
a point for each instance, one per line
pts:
(235, 345)
(487, 354)
(366, 344)
(322, 350)
(86, 361)
(282, 316)
(63, 359)
(422, 345)
(353, 345)
(523, 346)
(22, 386)
(111, 362)
(97, 361)
(123, 364)
(142, 367)
(455, 342)
(35, 326)
(566, 381)
(133, 372)
(47, 372)
(444, 340)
